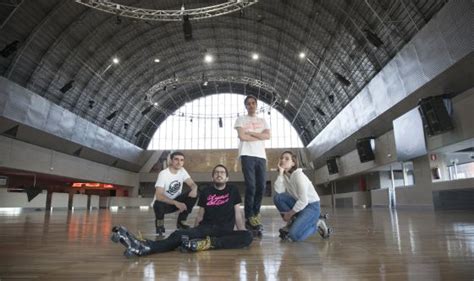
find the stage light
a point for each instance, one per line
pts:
(146, 110)
(313, 122)
(125, 126)
(9, 49)
(111, 115)
(91, 104)
(320, 111)
(220, 122)
(208, 58)
(342, 79)
(138, 133)
(331, 98)
(67, 86)
(373, 38)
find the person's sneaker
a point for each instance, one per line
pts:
(160, 227)
(196, 245)
(323, 229)
(182, 225)
(135, 247)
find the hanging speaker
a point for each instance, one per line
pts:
(332, 165)
(435, 113)
(187, 28)
(365, 149)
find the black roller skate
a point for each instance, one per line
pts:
(284, 231)
(160, 227)
(323, 229)
(135, 247)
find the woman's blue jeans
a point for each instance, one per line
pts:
(306, 219)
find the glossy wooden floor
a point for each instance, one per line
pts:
(369, 244)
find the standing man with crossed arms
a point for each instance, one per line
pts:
(252, 132)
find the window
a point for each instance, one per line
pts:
(208, 123)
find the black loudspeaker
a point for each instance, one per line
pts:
(187, 28)
(365, 149)
(435, 115)
(332, 166)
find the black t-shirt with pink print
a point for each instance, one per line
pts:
(219, 206)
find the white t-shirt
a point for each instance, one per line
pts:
(255, 125)
(172, 183)
(299, 187)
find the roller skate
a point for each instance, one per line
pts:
(181, 225)
(323, 229)
(254, 225)
(195, 245)
(135, 247)
(160, 228)
(284, 231)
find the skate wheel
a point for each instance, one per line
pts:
(115, 237)
(128, 254)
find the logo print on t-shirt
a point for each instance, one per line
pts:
(173, 187)
(217, 200)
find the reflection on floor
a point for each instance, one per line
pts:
(368, 244)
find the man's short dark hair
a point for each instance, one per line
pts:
(176, 153)
(222, 166)
(249, 97)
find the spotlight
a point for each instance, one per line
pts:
(118, 20)
(208, 58)
(112, 115)
(187, 28)
(9, 49)
(191, 120)
(313, 122)
(342, 79)
(320, 111)
(331, 98)
(302, 55)
(220, 122)
(138, 133)
(125, 126)
(373, 38)
(115, 60)
(91, 104)
(67, 86)
(146, 110)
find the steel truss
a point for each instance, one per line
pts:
(167, 15)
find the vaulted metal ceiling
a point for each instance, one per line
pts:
(63, 41)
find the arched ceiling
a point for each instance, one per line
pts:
(60, 41)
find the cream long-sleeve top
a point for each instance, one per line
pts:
(299, 187)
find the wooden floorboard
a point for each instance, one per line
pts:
(369, 244)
